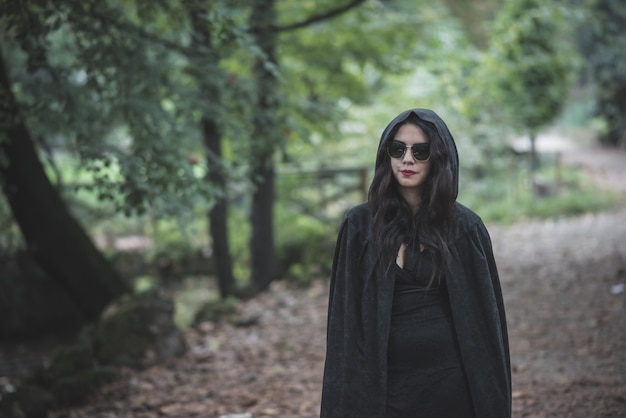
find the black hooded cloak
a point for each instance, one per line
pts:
(361, 295)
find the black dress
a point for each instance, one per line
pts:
(424, 368)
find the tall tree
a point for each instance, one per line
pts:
(270, 127)
(267, 134)
(133, 81)
(210, 78)
(602, 41)
(53, 236)
(530, 71)
(92, 90)
(474, 15)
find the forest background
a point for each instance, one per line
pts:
(207, 149)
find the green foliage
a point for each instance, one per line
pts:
(193, 293)
(239, 231)
(529, 71)
(94, 83)
(144, 283)
(602, 41)
(474, 16)
(217, 311)
(178, 236)
(305, 245)
(123, 86)
(505, 196)
(346, 61)
(117, 89)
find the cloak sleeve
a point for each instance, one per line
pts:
(359, 309)
(479, 317)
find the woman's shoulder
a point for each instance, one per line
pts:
(465, 221)
(359, 213)
(465, 214)
(359, 219)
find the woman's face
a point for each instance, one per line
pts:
(410, 173)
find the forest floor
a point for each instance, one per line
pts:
(563, 283)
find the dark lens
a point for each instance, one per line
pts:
(421, 152)
(395, 149)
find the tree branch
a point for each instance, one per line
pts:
(329, 14)
(86, 17)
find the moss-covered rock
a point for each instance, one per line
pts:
(75, 388)
(217, 311)
(135, 329)
(138, 329)
(28, 401)
(69, 361)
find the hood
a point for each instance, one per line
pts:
(444, 133)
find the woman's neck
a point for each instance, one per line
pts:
(413, 199)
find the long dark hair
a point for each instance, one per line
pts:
(393, 219)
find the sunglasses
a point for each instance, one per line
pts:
(396, 149)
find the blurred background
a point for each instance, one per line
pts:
(184, 156)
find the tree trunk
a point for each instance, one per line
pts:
(218, 214)
(267, 132)
(262, 239)
(55, 239)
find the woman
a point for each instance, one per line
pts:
(416, 323)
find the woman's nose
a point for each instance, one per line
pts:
(408, 155)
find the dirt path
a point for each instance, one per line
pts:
(562, 283)
(567, 321)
